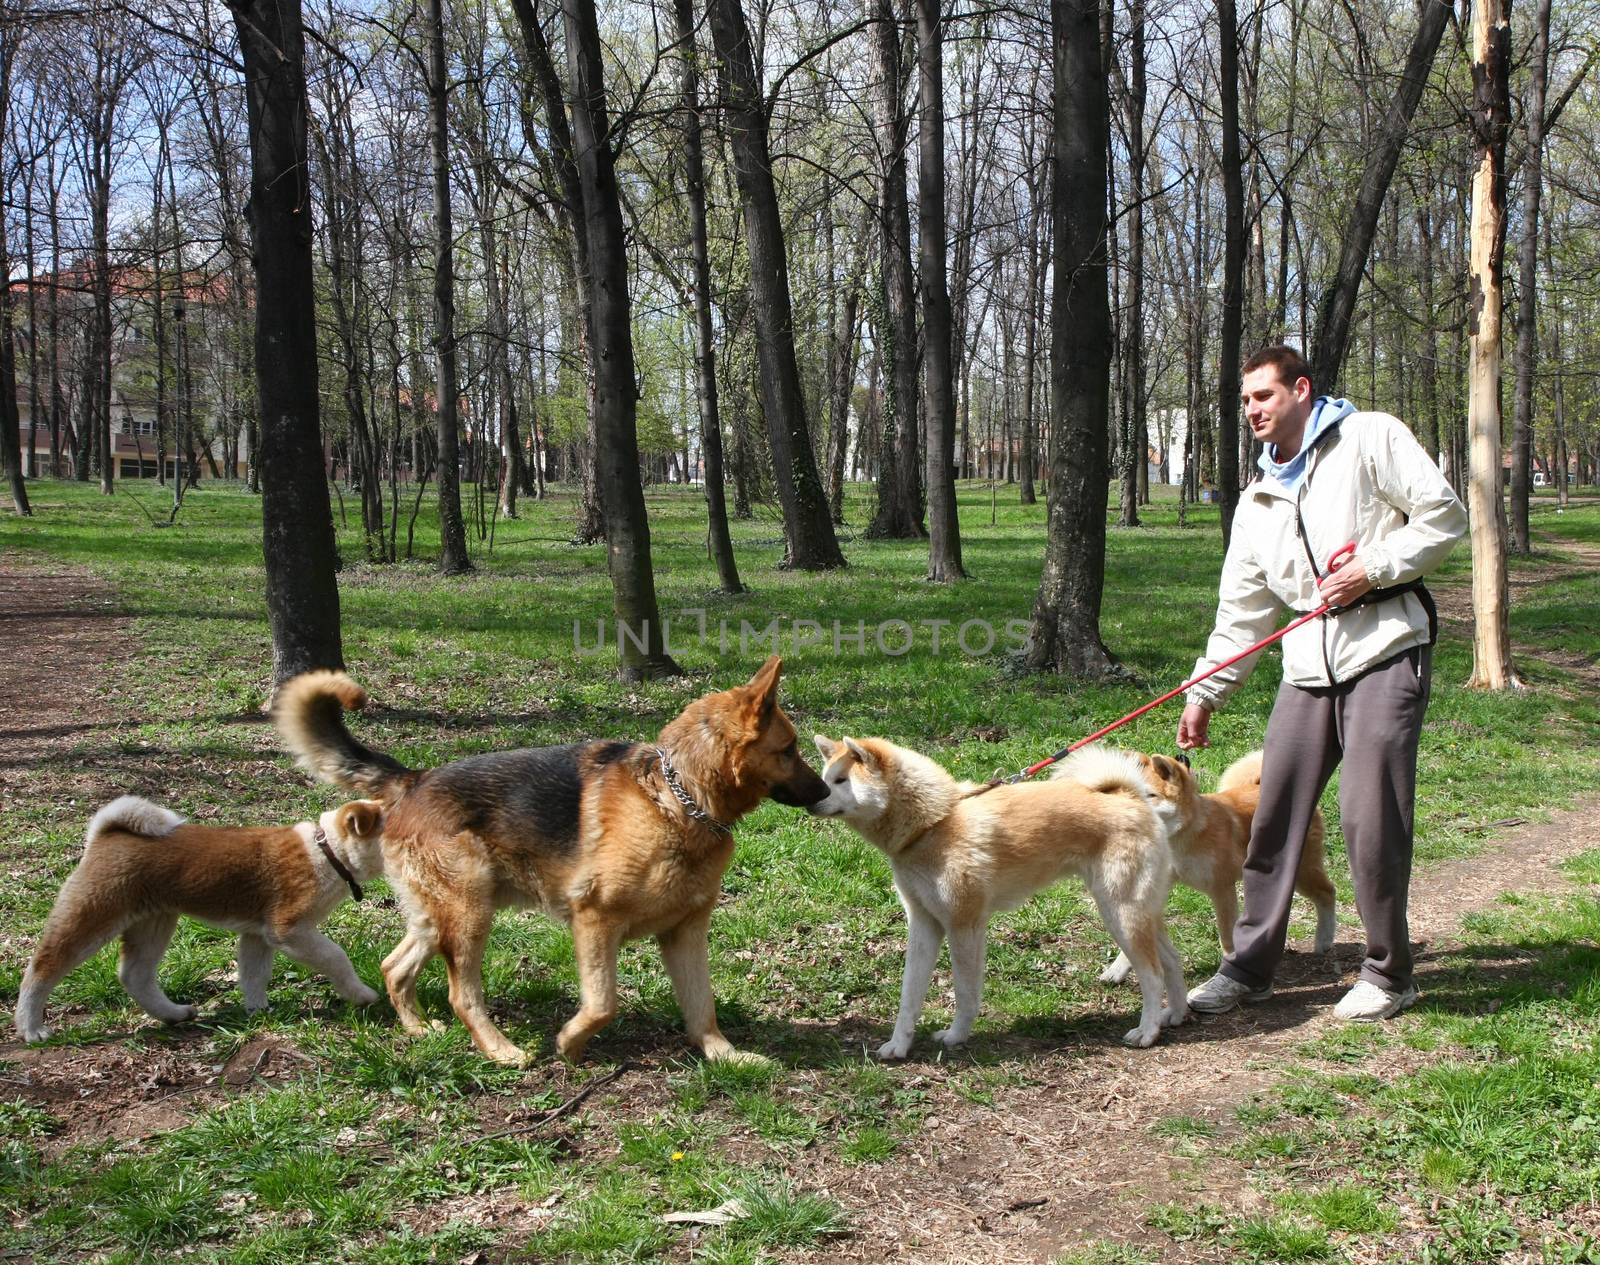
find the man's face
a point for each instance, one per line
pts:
(1276, 410)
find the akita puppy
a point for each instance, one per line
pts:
(619, 840)
(1210, 835)
(958, 858)
(143, 866)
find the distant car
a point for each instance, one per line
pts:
(1539, 480)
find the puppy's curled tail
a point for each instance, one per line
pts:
(309, 714)
(1245, 771)
(1105, 769)
(134, 816)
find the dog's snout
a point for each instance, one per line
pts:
(802, 790)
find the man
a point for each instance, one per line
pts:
(1355, 683)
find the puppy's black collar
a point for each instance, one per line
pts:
(670, 775)
(321, 839)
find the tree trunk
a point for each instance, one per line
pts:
(705, 352)
(453, 556)
(842, 371)
(944, 526)
(1131, 90)
(1065, 632)
(1338, 305)
(297, 521)
(1491, 120)
(899, 514)
(643, 653)
(1232, 272)
(10, 422)
(1527, 290)
(807, 526)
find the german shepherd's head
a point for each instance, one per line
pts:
(743, 735)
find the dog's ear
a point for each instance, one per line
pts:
(825, 746)
(861, 753)
(362, 818)
(761, 694)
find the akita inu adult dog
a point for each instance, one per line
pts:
(1210, 835)
(143, 866)
(618, 840)
(958, 858)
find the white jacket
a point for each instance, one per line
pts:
(1367, 481)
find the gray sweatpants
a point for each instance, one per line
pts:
(1372, 723)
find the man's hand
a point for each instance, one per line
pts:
(1348, 583)
(1192, 727)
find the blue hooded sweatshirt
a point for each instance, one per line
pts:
(1326, 413)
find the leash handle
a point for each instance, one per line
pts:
(1340, 556)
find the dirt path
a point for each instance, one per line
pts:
(1072, 1159)
(61, 634)
(1064, 1158)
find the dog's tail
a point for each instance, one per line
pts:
(1245, 771)
(134, 816)
(309, 713)
(1105, 769)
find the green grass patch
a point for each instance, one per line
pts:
(365, 1156)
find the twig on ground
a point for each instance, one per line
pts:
(555, 1113)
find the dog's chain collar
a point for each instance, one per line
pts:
(321, 839)
(683, 797)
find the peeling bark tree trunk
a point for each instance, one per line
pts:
(1491, 120)
(297, 521)
(1065, 632)
(807, 526)
(1527, 325)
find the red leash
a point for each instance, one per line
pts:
(1339, 558)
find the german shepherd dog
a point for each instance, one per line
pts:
(957, 860)
(1210, 835)
(618, 840)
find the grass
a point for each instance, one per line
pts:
(383, 1149)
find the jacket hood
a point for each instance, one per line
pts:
(1326, 413)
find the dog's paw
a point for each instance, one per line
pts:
(180, 1014)
(950, 1037)
(1141, 1038)
(1117, 972)
(744, 1058)
(34, 1035)
(894, 1050)
(1176, 1016)
(509, 1055)
(363, 996)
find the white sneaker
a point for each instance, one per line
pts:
(1221, 993)
(1368, 1003)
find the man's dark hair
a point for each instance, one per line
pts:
(1289, 363)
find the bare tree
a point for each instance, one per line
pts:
(1065, 632)
(297, 520)
(899, 513)
(1338, 304)
(1527, 280)
(1491, 120)
(807, 525)
(944, 525)
(615, 390)
(453, 557)
(705, 354)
